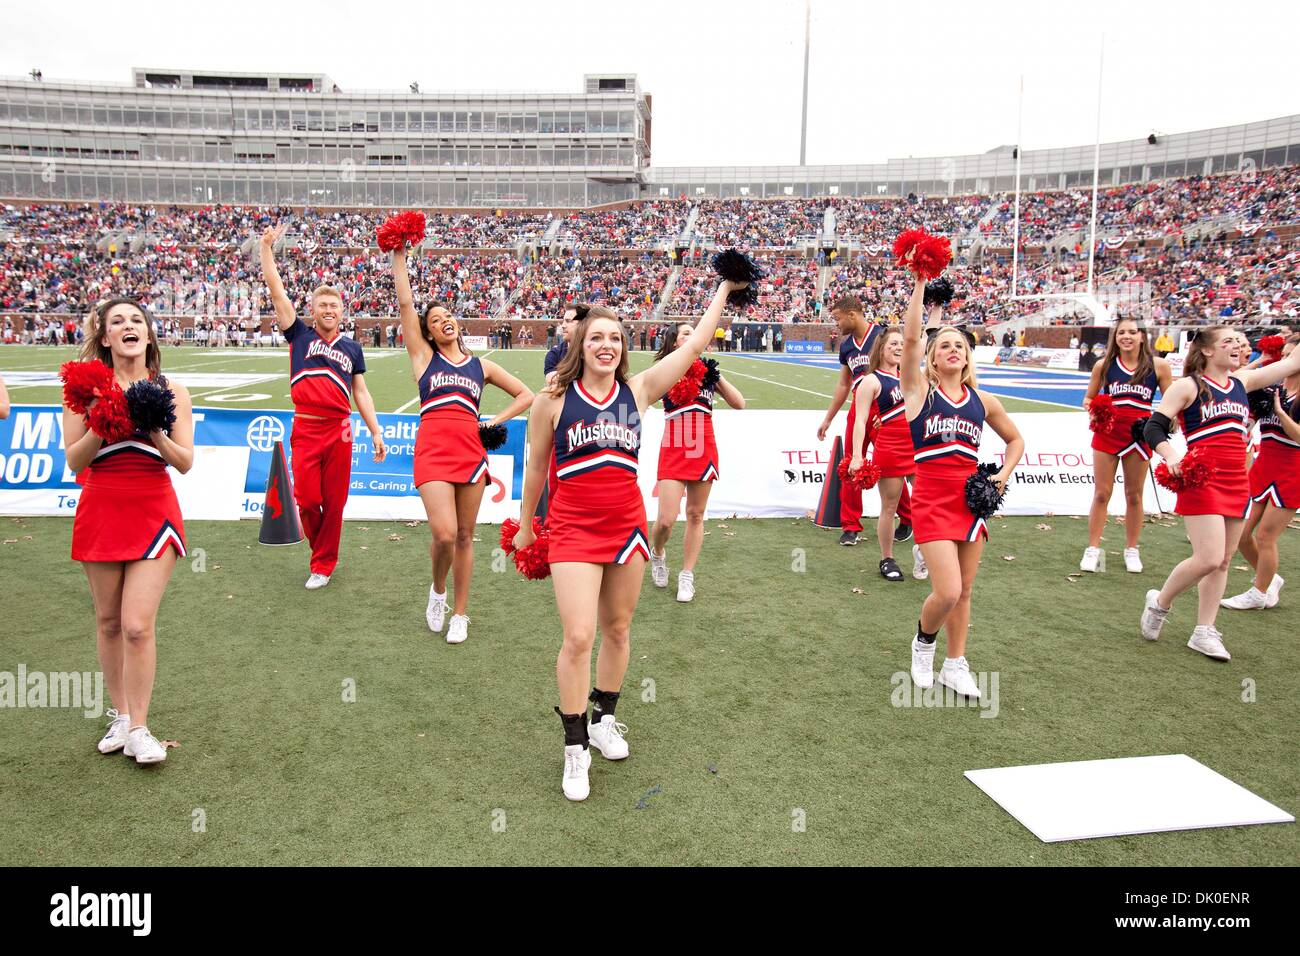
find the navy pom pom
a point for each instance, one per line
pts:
(1137, 430)
(492, 436)
(711, 375)
(152, 406)
(982, 496)
(732, 265)
(938, 292)
(1261, 402)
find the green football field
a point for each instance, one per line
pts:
(264, 377)
(766, 718)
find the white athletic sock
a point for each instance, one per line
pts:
(440, 597)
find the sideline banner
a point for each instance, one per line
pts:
(770, 465)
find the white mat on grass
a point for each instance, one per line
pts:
(1099, 798)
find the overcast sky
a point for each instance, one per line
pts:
(727, 76)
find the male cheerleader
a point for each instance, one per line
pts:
(326, 369)
(858, 335)
(573, 314)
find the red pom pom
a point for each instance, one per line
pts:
(534, 561)
(862, 479)
(1101, 414)
(509, 528)
(83, 382)
(926, 256)
(1271, 347)
(110, 419)
(1193, 472)
(406, 228)
(907, 241)
(688, 386)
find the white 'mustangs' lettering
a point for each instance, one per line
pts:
(602, 433)
(319, 347)
(950, 427)
(451, 380)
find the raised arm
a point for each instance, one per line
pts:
(910, 376)
(417, 347)
(494, 374)
(177, 448)
(1005, 428)
(1257, 378)
(653, 384)
(284, 311)
(730, 394)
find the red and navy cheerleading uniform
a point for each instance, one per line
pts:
(946, 438)
(1216, 424)
(447, 446)
(855, 355)
(892, 448)
(127, 510)
(1275, 475)
(597, 516)
(320, 383)
(688, 451)
(1131, 399)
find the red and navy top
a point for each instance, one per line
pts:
(946, 435)
(1219, 421)
(702, 402)
(1273, 437)
(137, 457)
(320, 372)
(451, 386)
(889, 403)
(855, 355)
(598, 437)
(1127, 393)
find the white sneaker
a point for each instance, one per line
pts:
(436, 610)
(607, 737)
(1153, 617)
(659, 569)
(144, 746)
(922, 664)
(955, 673)
(115, 738)
(1209, 642)
(1252, 600)
(1091, 556)
(1275, 590)
(1132, 561)
(577, 760)
(686, 586)
(458, 629)
(920, 570)
(317, 581)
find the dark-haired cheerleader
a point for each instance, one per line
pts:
(947, 413)
(1129, 374)
(591, 416)
(1211, 403)
(688, 465)
(128, 532)
(451, 465)
(1275, 490)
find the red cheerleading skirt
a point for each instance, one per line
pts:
(892, 449)
(688, 451)
(127, 517)
(448, 448)
(598, 519)
(939, 511)
(1118, 439)
(1228, 492)
(1275, 476)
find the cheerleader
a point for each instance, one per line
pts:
(591, 415)
(1275, 490)
(688, 465)
(128, 532)
(892, 445)
(451, 465)
(946, 413)
(1130, 374)
(1210, 402)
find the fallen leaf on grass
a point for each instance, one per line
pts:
(1073, 577)
(859, 591)
(721, 525)
(419, 735)
(11, 540)
(363, 529)
(412, 524)
(230, 597)
(216, 567)
(1043, 527)
(1008, 557)
(169, 744)
(364, 548)
(397, 537)
(708, 532)
(728, 534)
(1075, 518)
(1240, 567)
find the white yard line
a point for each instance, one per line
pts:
(809, 391)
